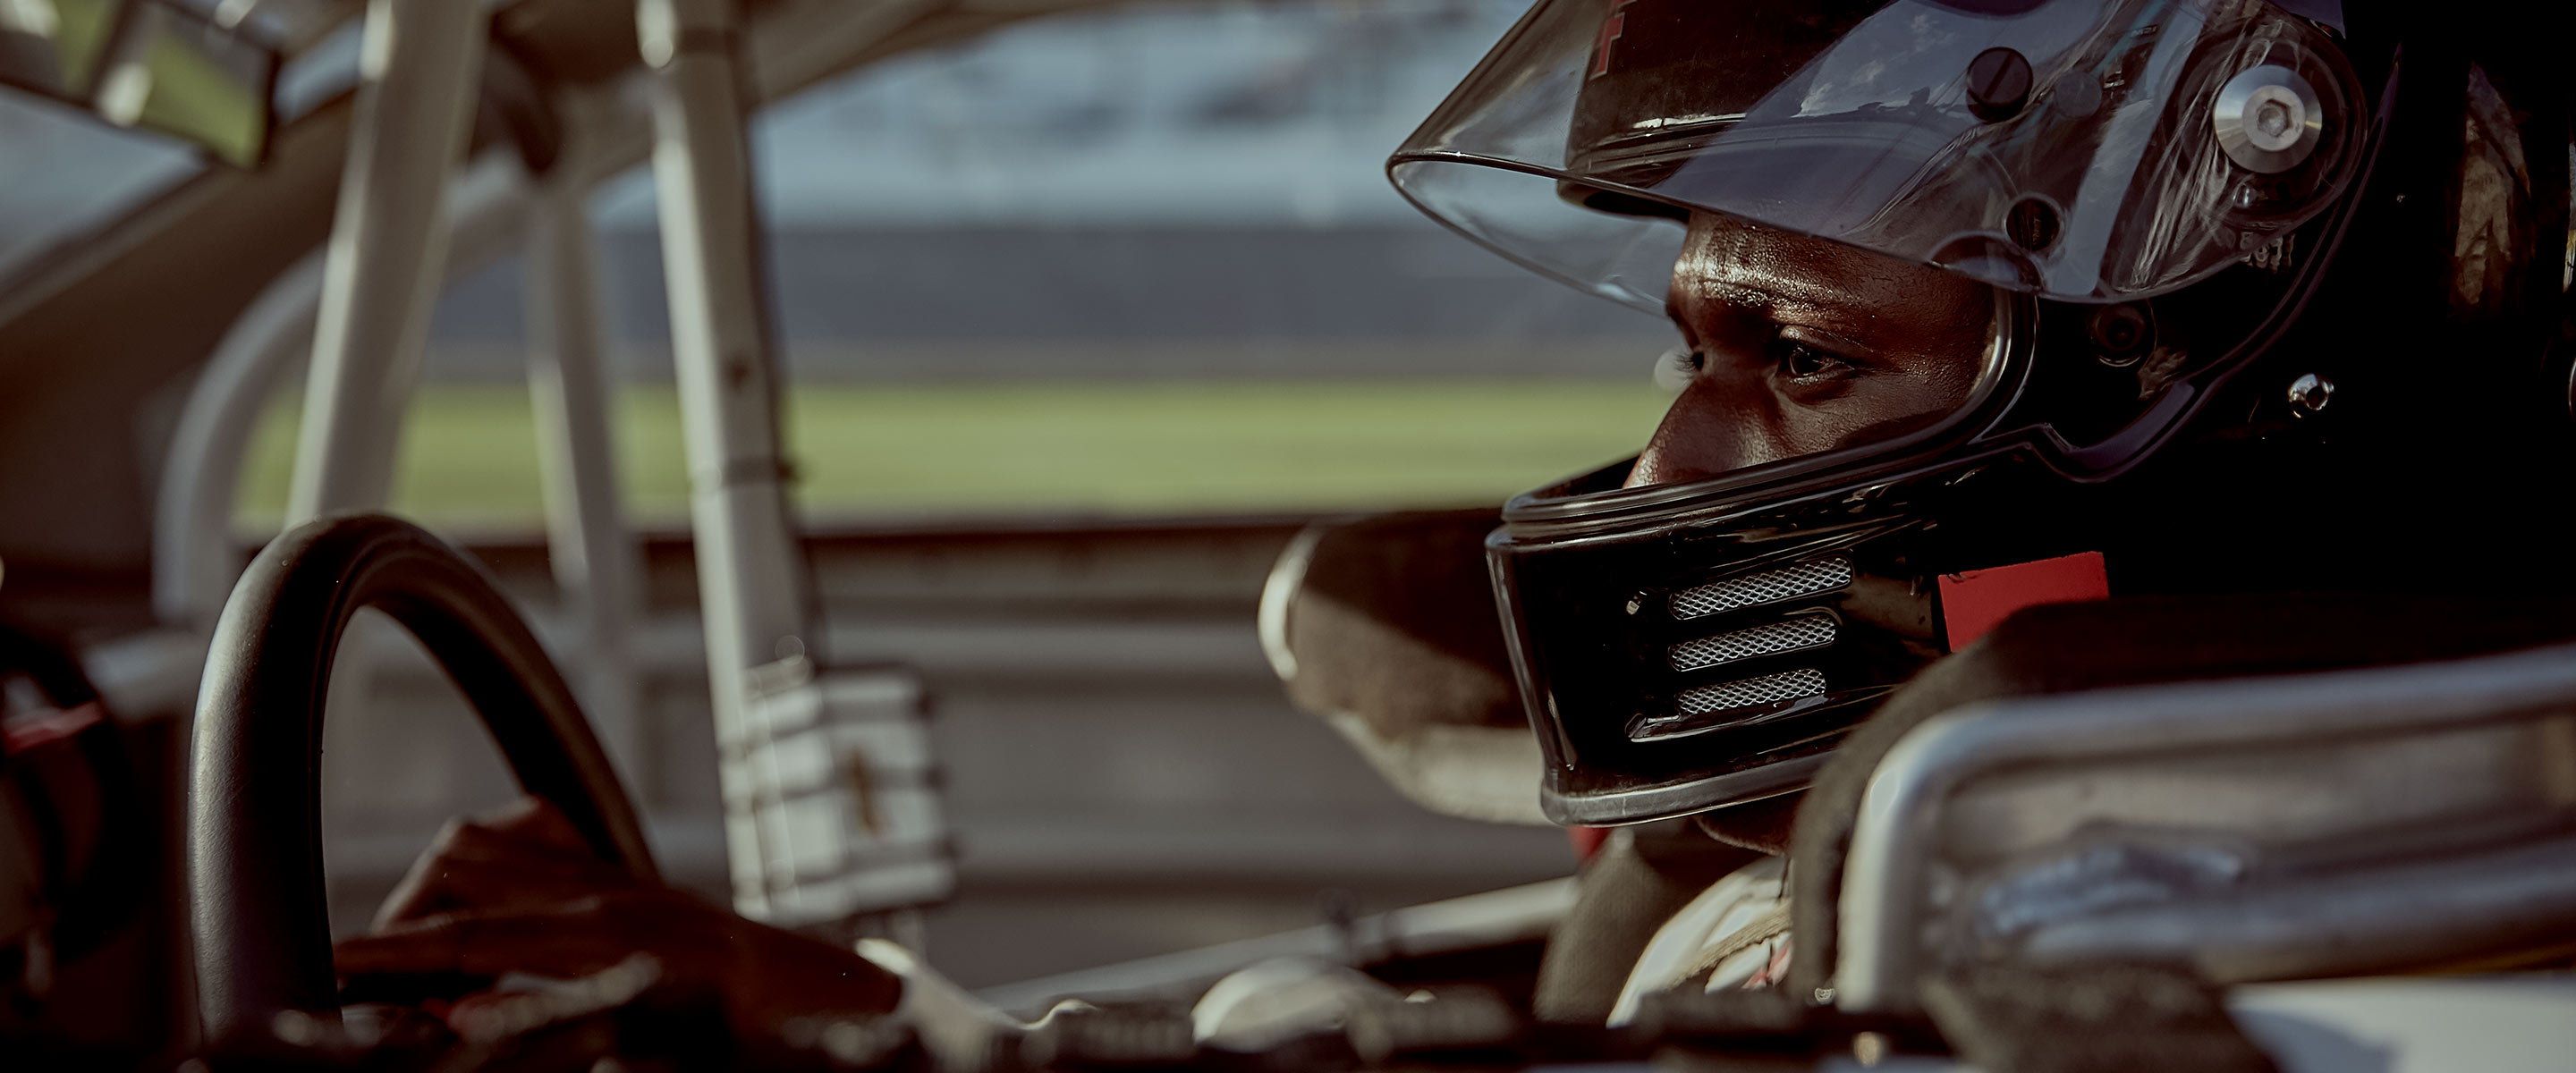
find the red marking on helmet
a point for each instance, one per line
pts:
(1974, 601)
(1611, 30)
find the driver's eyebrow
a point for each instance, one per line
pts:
(1723, 281)
(1737, 297)
(1826, 297)
(1745, 296)
(1768, 277)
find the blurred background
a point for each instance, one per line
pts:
(1143, 260)
(1084, 317)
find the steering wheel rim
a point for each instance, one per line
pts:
(257, 909)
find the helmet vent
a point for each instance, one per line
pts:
(1768, 689)
(1802, 632)
(1764, 587)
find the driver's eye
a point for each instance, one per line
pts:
(1803, 362)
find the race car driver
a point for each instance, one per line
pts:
(1985, 305)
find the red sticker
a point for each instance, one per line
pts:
(1974, 601)
(1612, 29)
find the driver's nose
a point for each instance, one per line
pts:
(1718, 424)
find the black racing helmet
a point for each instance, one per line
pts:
(2151, 190)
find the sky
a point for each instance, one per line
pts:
(1165, 114)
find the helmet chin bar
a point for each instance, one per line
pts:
(1678, 666)
(1682, 668)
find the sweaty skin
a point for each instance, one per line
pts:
(1804, 346)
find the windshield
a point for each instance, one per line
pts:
(64, 176)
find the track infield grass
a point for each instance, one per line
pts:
(1115, 448)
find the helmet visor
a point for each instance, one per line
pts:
(2082, 150)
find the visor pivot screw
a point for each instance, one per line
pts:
(1998, 84)
(2310, 393)
(2032, 224)
(2267, 119)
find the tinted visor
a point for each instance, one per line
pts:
(2082, 150)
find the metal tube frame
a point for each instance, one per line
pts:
(1885, 884)
(370, 327)
(751, 571)
(597, 566)
(419, 62)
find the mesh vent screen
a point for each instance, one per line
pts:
(1804, 631)
(1768, 689)
(1763, 587)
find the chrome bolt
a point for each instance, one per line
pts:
(2310, 393)
(2267, 119)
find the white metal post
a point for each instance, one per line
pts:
(419, 63)
(592, 551)
(751, 576)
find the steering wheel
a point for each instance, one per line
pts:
(254, 855)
